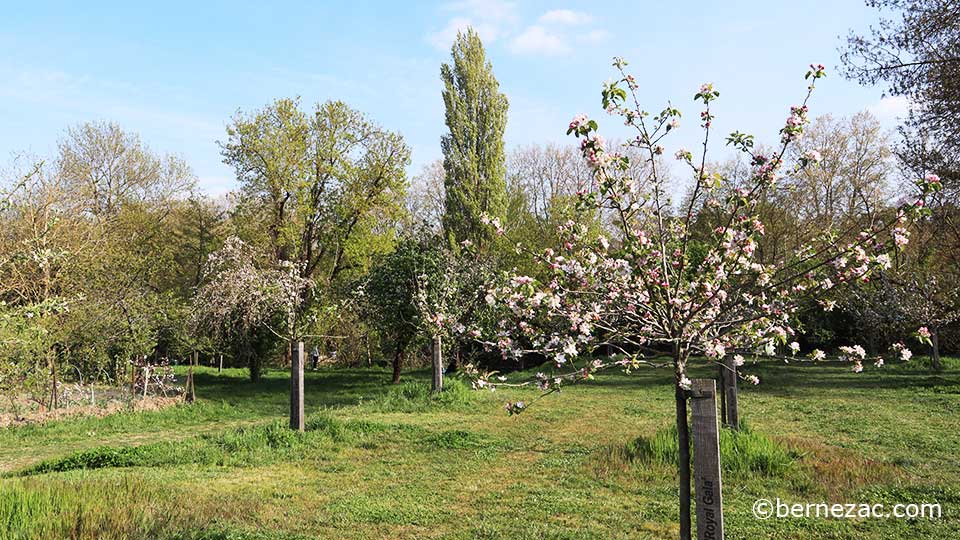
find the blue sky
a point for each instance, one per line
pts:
(175, 72)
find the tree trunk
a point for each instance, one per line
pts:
(397, 362)
(437, 365)
(253, 363)
(935, 353)
(683, 440)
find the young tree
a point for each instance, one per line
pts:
(473, 155)
(245, 297)
(659, 288)
(425, 199)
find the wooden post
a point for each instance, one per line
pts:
(437, 364)
(730, 400)
(191, 392)
(220, 367)
(133, 380)
(146, 380)
(53, 389)
(706, 459)
(296, 388)
(722, 390)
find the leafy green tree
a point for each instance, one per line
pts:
(319, 190)
(391, 294)
(473, 153)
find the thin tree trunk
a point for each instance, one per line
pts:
(683, 440)
(397, 362)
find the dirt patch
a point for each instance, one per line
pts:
(151, 403)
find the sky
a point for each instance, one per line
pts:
(176, 72)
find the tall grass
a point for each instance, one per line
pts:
(414, 397)
(127, 507)
(741, 452)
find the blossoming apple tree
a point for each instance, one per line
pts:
(245, 297)
(656, 285)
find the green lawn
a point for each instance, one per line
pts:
(380, 463)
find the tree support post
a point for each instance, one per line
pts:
(437, 365)
(706, 459)
(730, 400)
(296, 388)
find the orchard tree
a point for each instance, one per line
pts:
(390, 294)
(245, 297)
(473, 154)
(656, 287)
(317, 188)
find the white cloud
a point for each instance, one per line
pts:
(491, 19)
(553, 33)
(891, 107)
(538, 40)
(565, 17)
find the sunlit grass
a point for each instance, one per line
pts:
(384, 461)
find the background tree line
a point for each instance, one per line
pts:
(110, 254)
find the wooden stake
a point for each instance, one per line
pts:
(191, 392)
(730, 401)
(296, 388)
(146, 380)
(437, 365)
(706, 459)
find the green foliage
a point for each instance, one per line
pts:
(392, 291)
(320, 191)
(473, 155)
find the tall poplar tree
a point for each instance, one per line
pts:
(473, 155)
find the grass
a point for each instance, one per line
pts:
(385, 461)
(742, 453)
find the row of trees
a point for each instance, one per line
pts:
(109, 254)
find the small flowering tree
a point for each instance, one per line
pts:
(449, 296)
(244, 298)
(932, 303)
(657, 286)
